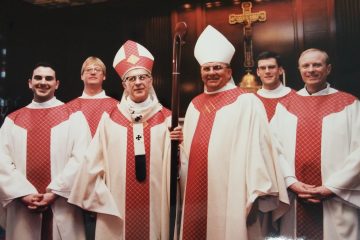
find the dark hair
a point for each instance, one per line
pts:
(267, 55)
(42, 64)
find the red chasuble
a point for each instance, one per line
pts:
(92, 108)
(195, 212)
(310, 112)
(270, 104)
(38, 123)
(137, 203)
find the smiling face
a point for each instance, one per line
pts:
(215, 75)
(93, 75)
(43, 83)
(314, 70)
(137, 84)
(269, 73)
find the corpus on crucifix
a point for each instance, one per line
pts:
(247, 18)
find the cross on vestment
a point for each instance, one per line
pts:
(247, 18)
(138, 137)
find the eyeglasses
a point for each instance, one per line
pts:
(216, 68)
(90, 70)
(141, 77)
(47, 78)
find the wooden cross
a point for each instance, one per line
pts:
(247, 18)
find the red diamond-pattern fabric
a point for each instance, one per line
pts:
(195, 211)
(130, 48)
(137, 202)
(38, 123)
(270, 104)
(93, 109)
(310, 112)
(124, 65)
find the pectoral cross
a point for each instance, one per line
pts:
(247, 18)
(138, 137)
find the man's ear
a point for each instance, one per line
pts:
(257, 72)
(281, 70)
(229, 71)
(328, 68)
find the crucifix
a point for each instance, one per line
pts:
(247, 18)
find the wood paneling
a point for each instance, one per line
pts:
(347, 64)
(291, 27)
(67, 36)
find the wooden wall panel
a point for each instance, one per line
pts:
(158, 40)
(189, 68)
(317, 24)
(67, 36)
(347, 64)
(291, 27)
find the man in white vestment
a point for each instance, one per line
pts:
(232, 173)
(92, 103)
(40, 149)
(124, 176)
(318, 129)
(269, 70)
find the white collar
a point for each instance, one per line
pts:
(101, 94)
(280, 91)
(325, 91)
(143, 104)
(139, 112)
(53, 102)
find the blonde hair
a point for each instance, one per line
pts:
(326, 56)
(93, 60)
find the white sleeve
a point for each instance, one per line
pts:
(79, 137)
(345, 182)
(13, 183)
(276, 128)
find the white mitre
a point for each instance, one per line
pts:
(212, 46)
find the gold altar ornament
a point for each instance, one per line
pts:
(249, 83)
